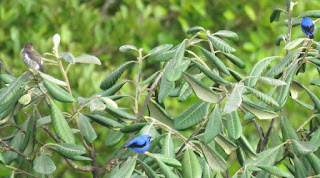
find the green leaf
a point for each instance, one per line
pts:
(113, 77)
(126, 169)
(288, 2)
(302, 147)
(272, 81)
(210, 74)
(206, 171)
(86, 129)
(164, 56)
(105, 121)
(150, 79)
(191, 167)
(294, 43)
(220, 44)
(165, 169)
(52, 80)
(265, 158)
(68, 150)
(167, 148)
(230, 35)
(81, 158)
(60, 125)
(258, 111)
(201, 90)
(11, 91)
(275, 171)
(150, 130)
(286, 129)
(215, 60)
(300, 170)
(118, 113)
(68, 57)
(257, 70)
(25, 99)
(315, 82)
(227, 145)
(191, 116)
(236, 75)
(126, 48)
(280, 38)
(160, 49)
(166, 87)
(44, 165)
(2, 160)
(275, 15)
(186, 90)
(15, 143)
(314, 161)
(194, 30)
(167, 159)
(215, 161)
(174, 69)
(214, 125)
(148, 170)
(160, 114)
(57, 92)
(233, 125)
(263, 97)
(31, 128)
(311, 14)
(235, 60)
(282, 64)
(112, 90)
(305, 105)
(234, 100)
(133, 127)
(246, 146)
(6, 78)
(113, 138)
(87, 59)
(313, 97)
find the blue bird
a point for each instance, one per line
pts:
(140, 144)
(307, 27)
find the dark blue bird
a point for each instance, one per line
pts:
(307, 27)
(140, 144)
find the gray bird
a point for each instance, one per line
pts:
(31, 57)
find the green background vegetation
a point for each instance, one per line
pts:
(100, 27)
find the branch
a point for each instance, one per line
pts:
(5, 69)
(15, 150)
(20, 170)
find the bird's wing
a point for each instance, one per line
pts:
(137, 143)
(308, 29)
(35, 56)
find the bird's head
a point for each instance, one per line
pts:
(306, 21)
(146, 136)
(28, 45)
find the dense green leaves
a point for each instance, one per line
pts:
(214, 160)
(57, 92)
(105, 121)
(86, 129)
(87, 59)
(214, 125)
(220, 44)
(233, 125)
(227, 34)
(216, 61)
(174, 70)
(60, 125)
(191, 116)
(126, 169)
(68, 150)
(275, 15)
(191, 167)
(44, 165)
(234, 100)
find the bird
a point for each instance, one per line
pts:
(307, 27)
(31, 57)
(140, 144)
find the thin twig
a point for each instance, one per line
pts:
(15, 150)
(19, 170)
(5, 69)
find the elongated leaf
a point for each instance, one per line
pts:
(165, 169)
(214, 77)
(275, 15)
(113, 138)
(51, 79)
(87, 59)
(280, 38)
(150, 130)
(214, 126)
(15, 143)
(272, 81)
(174, 70)
(265, 158)
(235, 60)
(165, 56)
(201, 90)
(214, 160)
(305, 105)
(227, 145)
(60, 125)
(150, 79)
(191, 167)
(227, 34)
(302, 147)
(44, 165)
(314, 161)
(191, 116)
(275, 171)
(6, 78)
(126, 48)
(263, 97)
(168, 147)
(236, 75)
(315, 82)
(257, 70)
(282, 64)
(112, 90)
(105, 121)
(194, 30)
(113, 77)
(160, 49)
(166, 87)
(68, 150)
(168, 160)
(234, 100)
(118, 113)
(126, 169)
(216, 61)
(258, 111)
(133, 127)
(57, 92)
(159, 113)
(31, 128)
(220, 44)
(186, 89)
(68, 57)
(300, 170)
(86, 129)
(294, 43)
(11, 91)
(313, 97)
(2, 160)
(149, 171)
(311, 14)
(233, 125)
(246, 146)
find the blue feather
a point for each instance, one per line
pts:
(307, 27)
(140, 144)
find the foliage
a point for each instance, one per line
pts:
(38, 131)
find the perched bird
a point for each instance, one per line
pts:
(307, 27)
(31, 57)
(140, 144)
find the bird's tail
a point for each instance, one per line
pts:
(311, 36)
